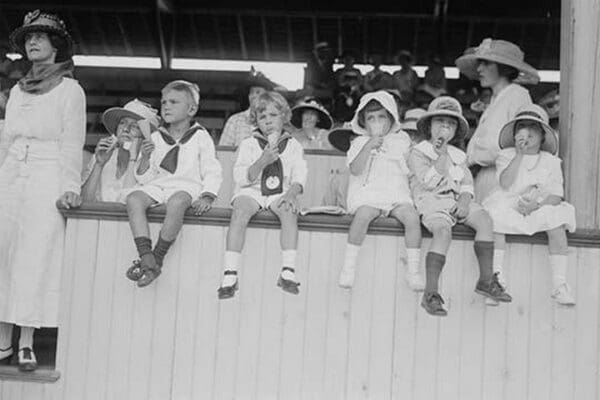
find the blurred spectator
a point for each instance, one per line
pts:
(551, 103)
(312, 123)
(319, 80)
(406, 79)
(348, 87)
(409, 124)
(238, 126)
(435, 79)
(377, 79)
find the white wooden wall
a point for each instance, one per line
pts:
(176, 340)
(320, 169)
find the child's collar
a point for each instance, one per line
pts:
(456, 155)
(259, 135)
(195, 125)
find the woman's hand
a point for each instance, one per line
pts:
(147, 148)
(288, 202)
(104, 149)
(202, 205)
(70, 200)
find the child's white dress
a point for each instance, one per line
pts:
(539, 175)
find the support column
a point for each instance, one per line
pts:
(580, 108)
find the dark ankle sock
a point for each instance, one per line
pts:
(161, 249)
(143, 245)
(485, 256)
(434, 262)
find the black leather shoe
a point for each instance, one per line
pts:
(432, 303)
(6, 355)
(27, 360)
(135, 272)
(493, 289)
(227, 292)
(286, 284)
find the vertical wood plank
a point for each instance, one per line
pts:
(315, 322)
(447, 364)
(519, 273)
(338, 314)
(586, 346)
(540, 333)
(360, 312)
(122, 303)
(102, 288)
(11, 390)
(227, 159)
(386, 267)
(32, 391)
(249, 298)
(206, 321)
(81, 306)
(271, 309)
(292, 327)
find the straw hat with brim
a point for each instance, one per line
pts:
(341, 137)
(410, 119)
(37, 21)
(135, 109)
(444, 106)
(535, 113)
(325, 121)
(501, 52)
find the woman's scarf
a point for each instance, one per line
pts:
(271, 181)
(42, 78)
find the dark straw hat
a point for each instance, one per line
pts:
(37, 21)
(341, 137)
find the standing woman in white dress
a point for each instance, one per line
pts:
(500, 66)
(40, 163)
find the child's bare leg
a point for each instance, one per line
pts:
(409, 217)
(356, 236)
(559, 260)
(244, 208)
(288, 239)
(487, 285)
(176, 206)
(137, 204)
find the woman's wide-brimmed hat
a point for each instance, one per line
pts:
(135, 109)
(341, 137)
(325, 121)
(501, 52)
(531, 112)
(258, 79)
(410, 119)
(444, 106)
(37, 21)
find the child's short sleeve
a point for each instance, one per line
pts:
(555, 186)
(243, 161)
(355, 147)
(504, 158)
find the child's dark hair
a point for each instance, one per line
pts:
(528, 123)
(458, 140)
(372, 105)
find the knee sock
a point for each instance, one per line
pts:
(434, 262)
(559, 263)
(161, 249)
(143, 245)
(413, 260)
(26, 338)
(232, 263)
(6, 330)
(288, 259)
(485, 257)
(351, 256)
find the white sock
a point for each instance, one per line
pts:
(6, 330)
(351, 256)
(288, 259)
(413, 260)
(559, 263)
(232, 263)
(26, 338)
(498, 260)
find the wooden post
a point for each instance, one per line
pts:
(580, 107)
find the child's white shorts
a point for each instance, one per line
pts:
(161, 194)
(264, 202)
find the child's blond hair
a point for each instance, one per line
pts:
(191, 89)
(262, 101)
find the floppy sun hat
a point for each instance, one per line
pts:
(341, 137)
(531, 112)
(37, 21)
(444, 106)
(501, 52)
(325, 121)
(135, 109)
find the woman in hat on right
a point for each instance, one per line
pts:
(312, 122)
(531, 196)
(111, 171)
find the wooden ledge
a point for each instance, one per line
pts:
(42, 374)
(327, 223)
(306, 151)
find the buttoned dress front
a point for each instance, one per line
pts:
(40, 159)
